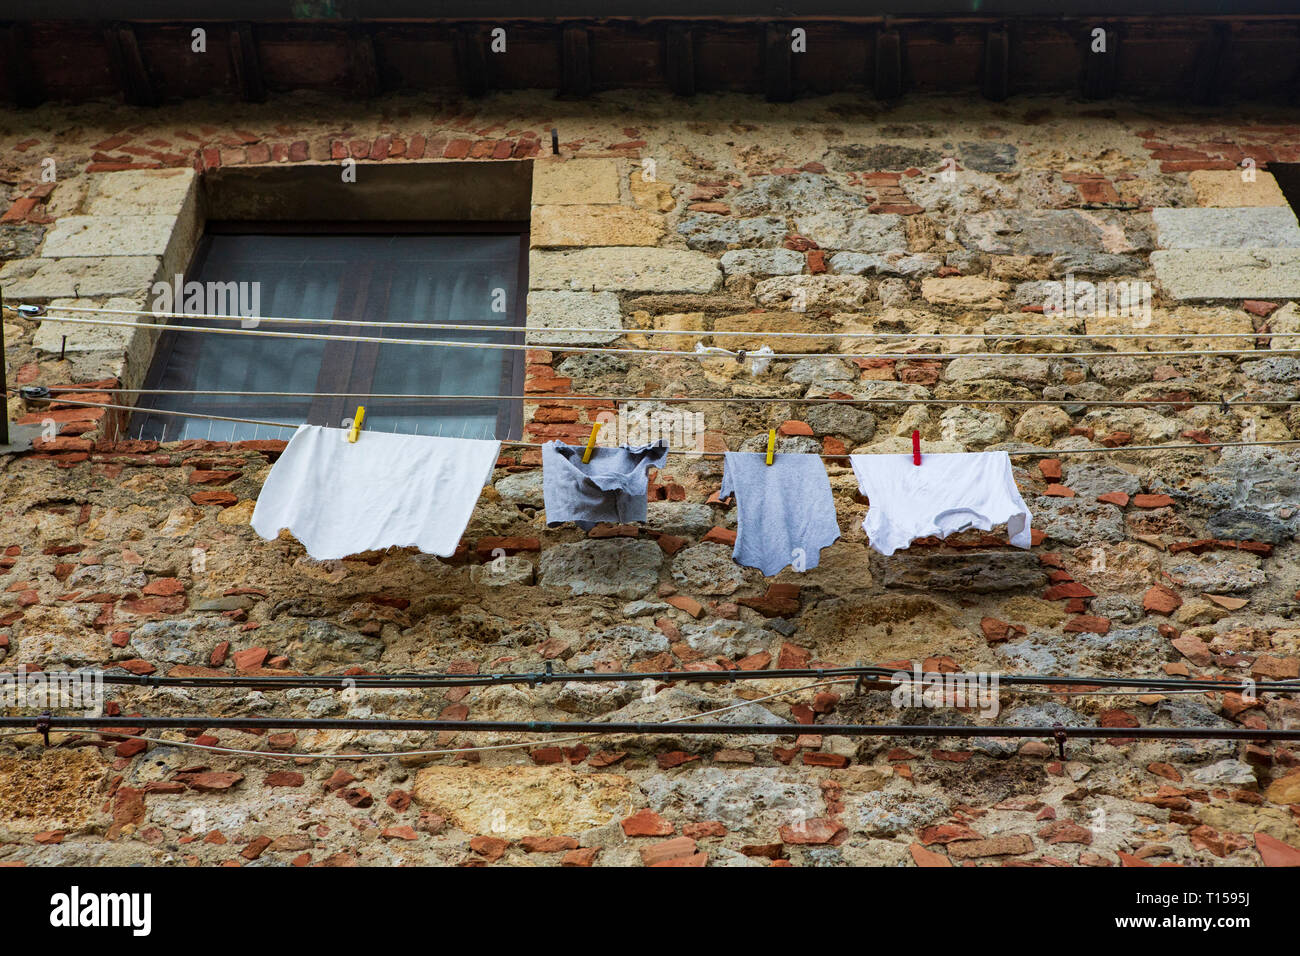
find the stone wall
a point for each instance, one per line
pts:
(940, 215)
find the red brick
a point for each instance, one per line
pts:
(1161, 600)
(1152, 501)
(647, 823)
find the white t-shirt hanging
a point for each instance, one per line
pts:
(945, 494)
(340, 498)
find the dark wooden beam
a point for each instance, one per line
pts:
(128, 65)
(1210, 72)
(889, 64)
(246, 63)
(778, 65)
(472, 59)
(995, 79)
(15, 50)
(679, 60)
(365, 65)
(1101, 69)
(575, 62)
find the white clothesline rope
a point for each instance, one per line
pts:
(55, 391)
(701, 333)
(673, 353)
(1044, 453)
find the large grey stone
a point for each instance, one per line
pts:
(132, 337)
(813, 293)
(767, 262)
(968, 571)
(1014, 368)
(989, 157)
(973, 426)
(1246, 524)
(98, 236)
(140, 192)
(1248, 227)
(712, 233)
(1279, 368)
(617, 645)
(1227, 773)
(855, 424)
(313, 643)
(800, 193)
(1096, 264)
(584, 310)
(726, 638)
(1219, 573)
(1090, 479)
(620, 566)
(679, 517)
(1049, 232)
(854, 231)
(625, 269)
(892, 263)
(883, 156)
(1139, 647)
(744, 799)
(886, 812)
(806, 371)
(523, 488)
(44, 279)
(707, 568)
(1191, 274)
(1078, 520)
(1046, 714)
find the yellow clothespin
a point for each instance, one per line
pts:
(591, 442)
(771, 444)
(357, 419)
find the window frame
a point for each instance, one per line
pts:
(349, 366)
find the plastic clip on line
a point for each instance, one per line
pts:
(916, 447)
(771, 444)
(355, 430)
(591, 443)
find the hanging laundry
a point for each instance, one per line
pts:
(945, 494)
(785, 510)
(339, 498)
(610, 487)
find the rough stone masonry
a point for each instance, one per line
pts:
(938, 215)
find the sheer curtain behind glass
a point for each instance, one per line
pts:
(354, 281)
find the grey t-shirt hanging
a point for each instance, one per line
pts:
(785, 510)
(611, 487)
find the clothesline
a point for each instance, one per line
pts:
(649, 399)
(1045, 453)
(674, 353)
(700, 333)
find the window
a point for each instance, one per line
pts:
(470, 274)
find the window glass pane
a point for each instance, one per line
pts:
(351, 280)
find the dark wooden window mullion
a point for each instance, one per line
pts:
(374, 308)
(339, 357)
(510, 417)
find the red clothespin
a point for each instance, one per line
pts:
(916, 447)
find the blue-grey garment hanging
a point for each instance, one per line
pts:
(785, 513)
(611, 487)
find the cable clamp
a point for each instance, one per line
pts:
(1060, 736)
(43, 726)
(34, 393)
